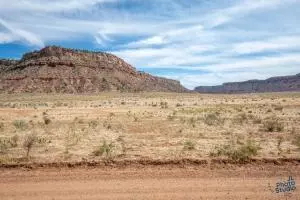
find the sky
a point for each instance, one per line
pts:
(198, 42)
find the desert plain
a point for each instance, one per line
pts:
(157, 145)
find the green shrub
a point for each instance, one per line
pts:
(20, 124)
(238, 153)
(189, 145)
(105, 149)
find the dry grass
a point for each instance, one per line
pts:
(148, 125)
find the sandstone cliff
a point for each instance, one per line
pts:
(60, 70)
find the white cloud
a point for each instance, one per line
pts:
(48, 6)
(273, 44)
(154, 40)
(6, 38)
(171, 36)
(31, 38)
(250, 63)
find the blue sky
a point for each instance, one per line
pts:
(198, 42)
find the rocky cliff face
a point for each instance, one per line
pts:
(275, 84)
(61, 70)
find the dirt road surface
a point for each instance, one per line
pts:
(244, 182)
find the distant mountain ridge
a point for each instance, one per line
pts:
(60, 70)
(273, 84)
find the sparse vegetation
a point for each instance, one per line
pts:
(273, 125)
(296, 141)
(164, 105)
(212, 119)
(47, 120)
(153, 125)
(20, 124)
(93, 124)
(279, 143)
(278, 108)
(240, 118)
(28, 143)
(189, 145)
(237, 152)
(1, 126)
(105, 149)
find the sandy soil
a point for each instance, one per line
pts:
(244, 182)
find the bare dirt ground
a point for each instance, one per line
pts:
(150, 182)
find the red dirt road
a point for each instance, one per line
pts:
(246, 182)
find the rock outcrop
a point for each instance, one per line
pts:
(60, 70)
(274, 84)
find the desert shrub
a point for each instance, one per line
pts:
(296, 141)
(192, 121)
(240, 118)
(29, 142)
(178, 105)
(1, 126)
(121, 140)
(171, 117)
(3, 146)
(20, 124)
(14, 141)
(269, 110)
(135, 118)
(107, 124)
(105, 149)
(189, 145)
(80, 121)
(278, 107)
(241, 152)
(6, 143)
(47, 120)
(93, 124)
(256, 120)
(273, 125)
(279, 143)
(153, 104)
(163, 105)
(212, 119)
